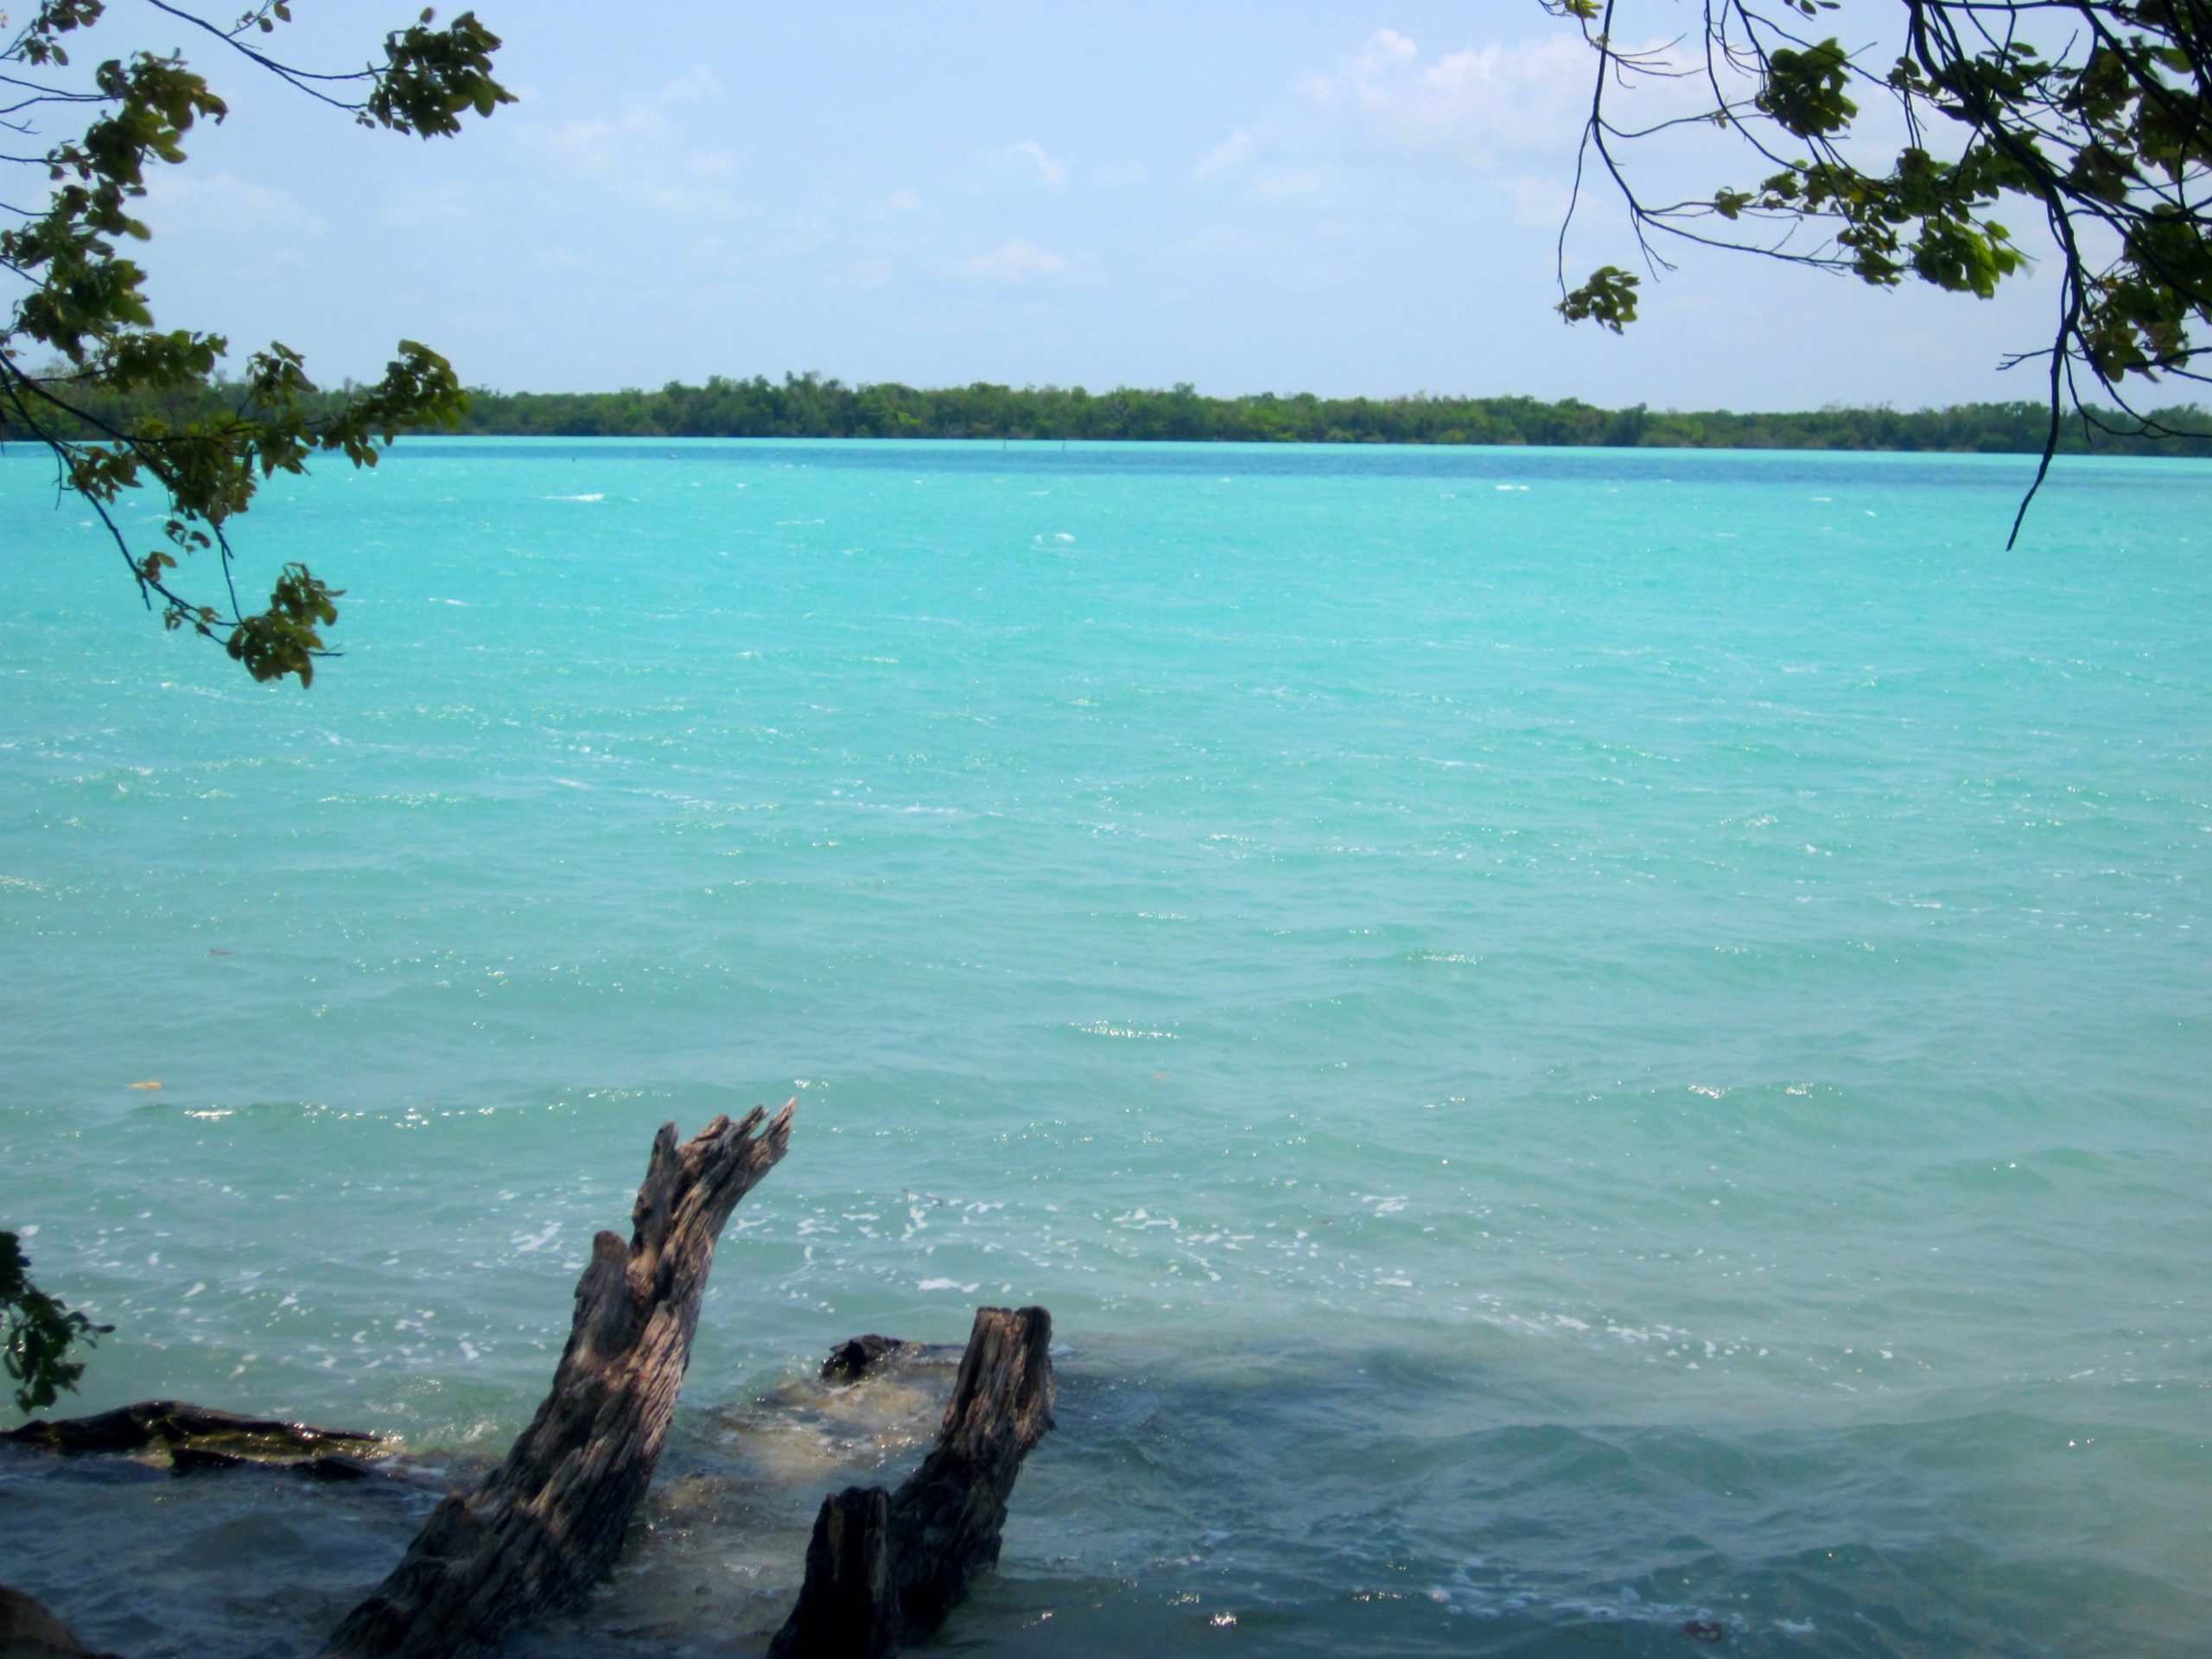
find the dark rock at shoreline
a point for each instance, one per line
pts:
(27, 1630)
(850, 1361)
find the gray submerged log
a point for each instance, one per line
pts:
(883, 1569)
(543, 1528)
(174, 1424)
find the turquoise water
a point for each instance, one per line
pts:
(1576, 1040)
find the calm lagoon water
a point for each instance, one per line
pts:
(1576, 1040)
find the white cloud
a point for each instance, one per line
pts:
(1231, 154)
(1468, 108)
(415, 206)
(1031, 159)
(224, 206)
(638, 156)
(1312, 185)
(1017, 261)
(697, 85)
(1468, 105)
(1540, 201)
(1273, 163)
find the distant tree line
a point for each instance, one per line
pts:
(811, 406)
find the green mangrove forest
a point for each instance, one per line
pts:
(813, 406)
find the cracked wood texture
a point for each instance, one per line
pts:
(543, 1527)
(884, 1571)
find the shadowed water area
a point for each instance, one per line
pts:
(1577, 1041)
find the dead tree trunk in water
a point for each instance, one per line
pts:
(882, 1572)
(545, 1525)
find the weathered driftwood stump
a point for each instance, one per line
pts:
(850, 1605)
(883, 1569)
(541, 1528)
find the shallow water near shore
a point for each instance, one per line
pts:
(1577, 1041)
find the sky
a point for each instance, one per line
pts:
(1342, 198)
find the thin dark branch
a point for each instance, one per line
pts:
(300, 79)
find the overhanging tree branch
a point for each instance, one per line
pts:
(86, 310)
(2097, 112)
